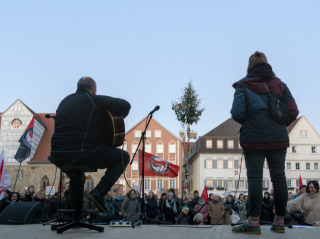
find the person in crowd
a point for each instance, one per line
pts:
(262, 137)
(106, 217)
(195, 200)
(151, 206)
(267, 208)
(216, 210)
(242, 206)
(170, 208)
(184, 201)
(140, 201)
(198, 219)
(177, 199)
(6, 195)
(231, 203)
(87, 204)
(20, 192)
(14, 197)
(118, 201)
(203, 208)
(189, 198)
(131, 206)
(161, 215)
(309, 204)
(227, 214)
(192, 197)
(290, 196)
(210, 196)
(303, 189)
(39, 197)
(246, 198)
(67, 194)
(29, 194)
(183, 217)
(55, 203)
(235, 198)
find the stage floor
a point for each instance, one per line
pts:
(151, 232)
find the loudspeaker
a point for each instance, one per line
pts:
(23, 213)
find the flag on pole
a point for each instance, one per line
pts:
(205, 195)
(2, 174)
(300, 182)
(25, 143)
(155, 166)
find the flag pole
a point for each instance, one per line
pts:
(16, 178)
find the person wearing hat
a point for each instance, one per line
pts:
(176, 199)
(195, 200)
(183, 218)
(216, 210)
(203, 208)
(303, 189)
(198, 219)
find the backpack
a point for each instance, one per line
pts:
(278, 110)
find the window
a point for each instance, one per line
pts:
(135, 183)
(220, 183)
(16, 174)
(230, 144)
(288, 165)
(313, 150)
(159, 148)
(288, 183)
(208, 143)
(220, 144)
(306, 133)
(209, 183)
(307, 166)
(294, 149)
(148, 134)
(208, 163)
(297, 183)
(134, 165)
(137, 133)
(297, 165)
(220, 164)
(301, 133)
(264, 183)
(230, 183)
(157, 134)
(21, 174)
(147, 184)
(316, 166)
(241, 184)
(172, 148)
(147, 148)
(159, 184)
(123, 182)
(134, 148)
(172, 183)
(5, 171)
(230, 163)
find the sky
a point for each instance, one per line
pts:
(146, 52)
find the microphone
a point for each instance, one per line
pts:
(155, 109)
(50, 116)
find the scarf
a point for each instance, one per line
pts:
(108, 198)
(119, 199)
(215, 201)
(262, 70)
(172, 204)
(185, 201)
(202, 203)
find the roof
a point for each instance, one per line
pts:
(35, 114)
(227, 128)
(156, 122)
(44, 147)
(293, 124)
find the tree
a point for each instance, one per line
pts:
(188, 110)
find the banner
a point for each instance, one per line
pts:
(25, 143)
(226, 193)
(155, 166)
(50, 190)
(2, 174)
(7, 181)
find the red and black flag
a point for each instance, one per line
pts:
(25, 143)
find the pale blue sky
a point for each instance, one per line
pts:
(146, 51)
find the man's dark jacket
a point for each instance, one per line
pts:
(82, 119)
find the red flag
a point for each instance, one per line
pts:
(300, 182)
(60, 187)
(204, 194)
(155, 166)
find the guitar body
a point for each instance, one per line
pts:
(116, 133)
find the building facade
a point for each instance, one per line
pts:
(216, 158)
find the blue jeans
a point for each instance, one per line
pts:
(276, 161)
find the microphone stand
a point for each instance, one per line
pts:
(143, 140)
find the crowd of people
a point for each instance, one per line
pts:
(302, 208)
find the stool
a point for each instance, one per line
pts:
(77, 170)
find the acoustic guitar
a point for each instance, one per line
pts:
(116, 133)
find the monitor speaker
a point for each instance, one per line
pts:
(23, 213)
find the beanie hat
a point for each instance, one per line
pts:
(303, 186)
(198, 217)
(171, 190)
(195, 191)
(184, 208)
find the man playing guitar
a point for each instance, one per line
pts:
(82, 128)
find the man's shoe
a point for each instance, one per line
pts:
(245, 228)
(98, 200)
(277, 228)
